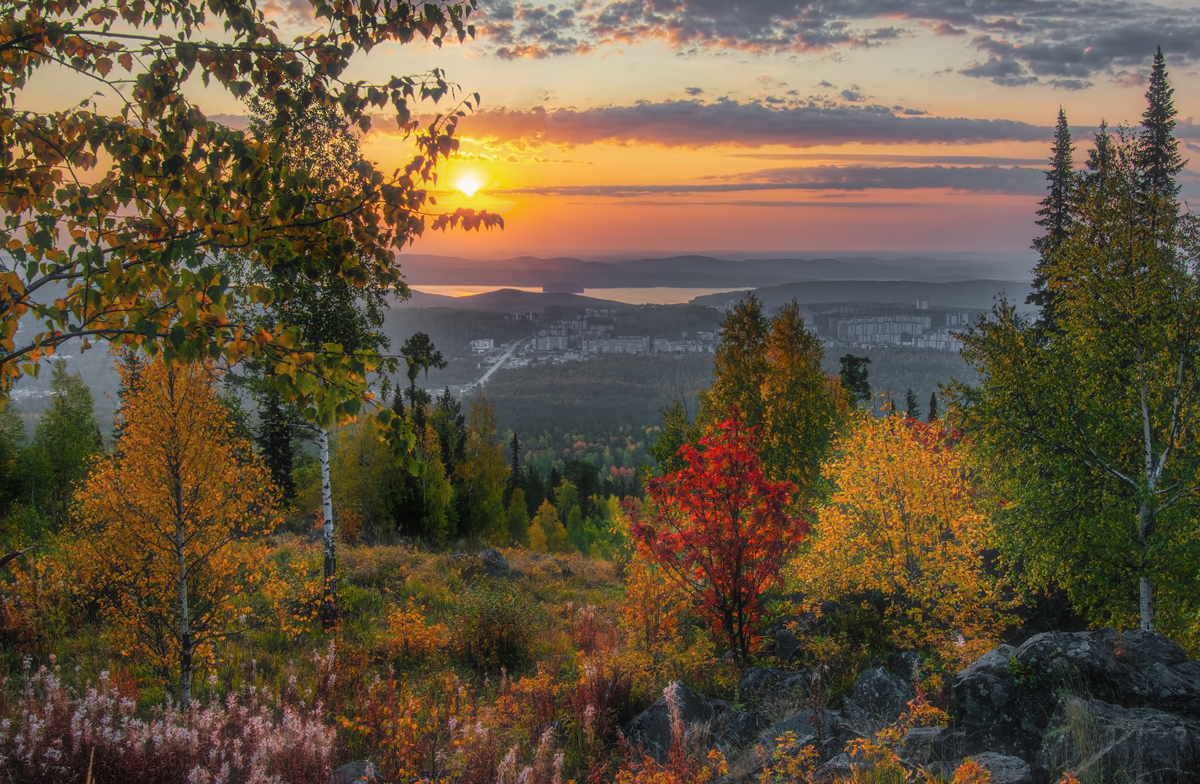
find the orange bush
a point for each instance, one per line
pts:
(409, 639)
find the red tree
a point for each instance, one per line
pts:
(721, 529)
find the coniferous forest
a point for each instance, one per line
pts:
(272, 567)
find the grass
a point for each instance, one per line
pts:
(421, 637)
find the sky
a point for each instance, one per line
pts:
(611, 128)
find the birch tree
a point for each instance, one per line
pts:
(173, 524)
(1090, 430)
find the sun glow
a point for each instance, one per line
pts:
(468, 184)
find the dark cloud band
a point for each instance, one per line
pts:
(693, 123)
(978, 179)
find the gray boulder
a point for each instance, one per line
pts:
(996, 711)
(1012, 699)
(877, 696)
(928, 747)
(354, 773)
(1099, 740)
(1005, 769)
(906, 664)
(651, 729)
(734, 729)
(759, 683)
(838, 769)
(494, 564)
(1134, 669)
(787, 647)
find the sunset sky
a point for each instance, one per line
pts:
(612, 127)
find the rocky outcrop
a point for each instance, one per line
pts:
(1122, 704)
(760, 683)
(1102, 741)
(877, 696)
(1106, 705)
(651, 729)
(357, 772)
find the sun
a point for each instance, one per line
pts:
(468, 184)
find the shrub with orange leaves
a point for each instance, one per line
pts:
(971, 772)
(904, 520)
(439, 735)
(656, 628)
(790, 762)
(294, 586)
(409, 638)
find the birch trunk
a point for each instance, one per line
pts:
(329, 611)
(1146, 592)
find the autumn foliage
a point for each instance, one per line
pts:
(904, 521)
(172, 523)
(721, 529)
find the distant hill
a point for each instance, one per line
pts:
(510, 301)
(970, 294)
(697, 271)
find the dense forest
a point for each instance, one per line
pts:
(275, 569)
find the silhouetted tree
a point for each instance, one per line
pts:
(854, 378)
(1157, 154)
(911, 409)
(1054, 217)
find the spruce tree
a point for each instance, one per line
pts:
(1055, 217)
(933, 408)
(514, 473)
(1158, 157)
(1103, 155)
(911, 409)
(855, 378)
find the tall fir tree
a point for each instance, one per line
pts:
(1054, 217)
(514, 473)
(1158, 157)
(856, 379)
(933, 408)
(912, 409)
(1102, 157)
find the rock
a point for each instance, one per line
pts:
(995, 712)
(816, 726)
(652, 727)
(1006, 701)
(821, 729)
(760, 682)
(1005, 769)
(1099, 740)
(840, 768)
(1134, 669)
(733, 729)
(787, 647)
(494, 564)
(907, 665)
(879, 695)
(923, 746)
(354, 772)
